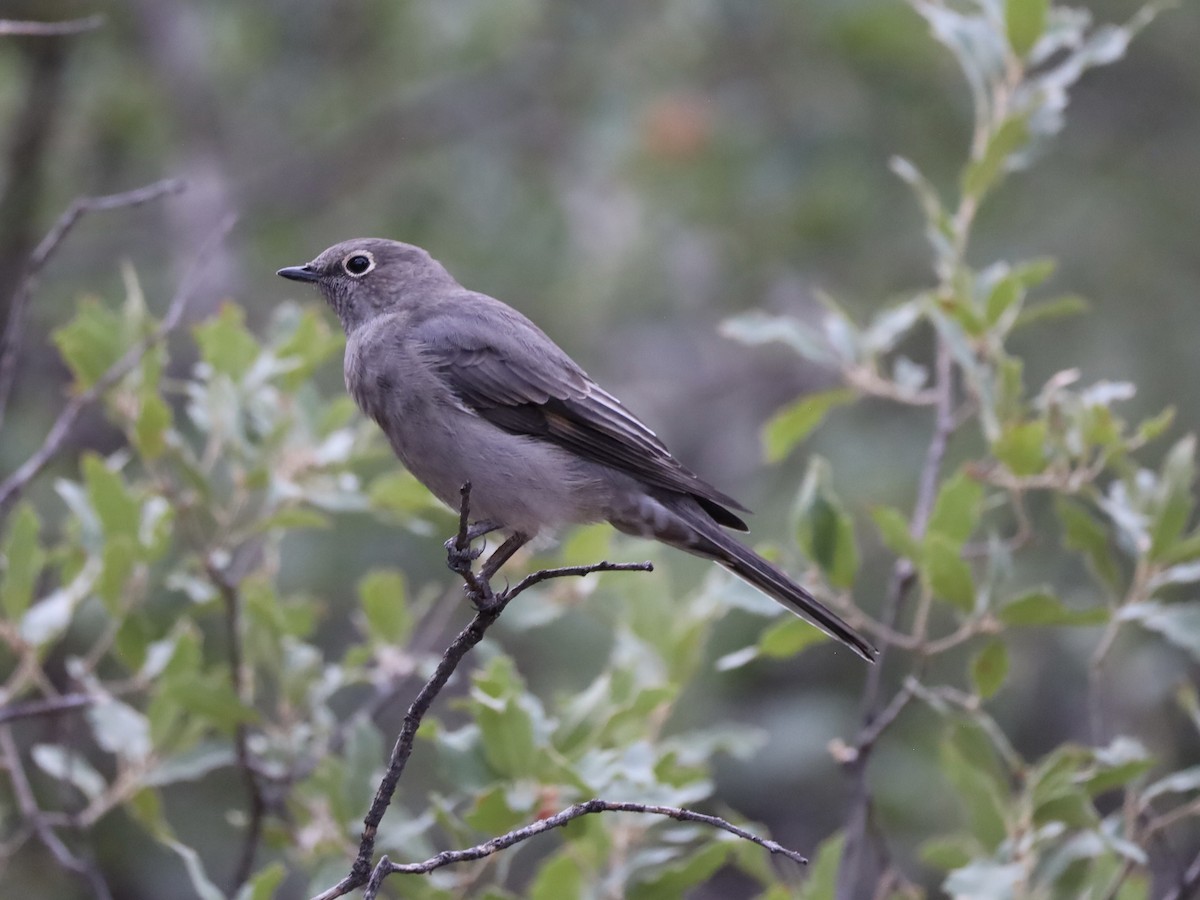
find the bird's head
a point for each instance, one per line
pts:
(364, 277)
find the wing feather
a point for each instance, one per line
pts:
(502, 367)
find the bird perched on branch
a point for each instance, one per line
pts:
(468, 390)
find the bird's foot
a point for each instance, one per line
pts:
(459, 552)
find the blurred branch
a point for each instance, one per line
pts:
(488, 605)
(50, 29)
(12, 486)
(231, 597)
(51, 707)
(450, 857)
(10, 345)
(1189, 881)
(43, 64)
(854, 873)
(36, 819)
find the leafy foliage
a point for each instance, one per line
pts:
(152, 586)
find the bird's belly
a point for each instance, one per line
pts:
(519, 482)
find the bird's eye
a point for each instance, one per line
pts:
(358, 264)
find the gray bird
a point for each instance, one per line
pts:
(469, 390)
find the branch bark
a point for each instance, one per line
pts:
(50, 29)
(386, 867)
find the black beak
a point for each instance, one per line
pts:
(300, 273)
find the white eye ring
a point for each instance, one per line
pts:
(358, 263)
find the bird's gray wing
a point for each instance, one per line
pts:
(505, 369)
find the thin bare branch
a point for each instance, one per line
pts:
(567, 571)
(451, 857)
(12, 486)
(854, 869)
(54, 706)
(14, 329)
(232, 599)
(20, 28)
(1189, 882)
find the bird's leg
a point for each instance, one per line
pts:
(503, 554)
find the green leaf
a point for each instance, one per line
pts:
(1084, 533)
(560, 878)
(119, 555)
(120, 729)
(976, 786)
(1025, 22)
(383, 597)
(210, 697)
(400, 493)
(309, 343)
(788, 637)
(1041, 609)
(791, 425)
(1033, 272)
(225, 343)
(1048, 310)
(894, 529)
(23, 561)
(1022, 447)
(755, 328)
(1184, 781)
(948, 577)
(1155, 426)
(119, 513)
(91, 342)
(491, 813)
(191, 764)
(1179, 623)
(150, 429)
(292, 518)
(822, 873)
(1057, 774)
(1010, 389)
(69, 767)
(985, 880)
(1006, 292)
(824, 530)
(1175, 497)
(889, 326)
(983, 173)
(1123, 760)
(678, 878)
(201, 883)
(957, 508)
(939, 226)
(989, 668)
(264, 883)
(508, 717)
(947, 853)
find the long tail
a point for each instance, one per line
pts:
(750, 567)
(681, 522)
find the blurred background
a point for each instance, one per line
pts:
(628, 174)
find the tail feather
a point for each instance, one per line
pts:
(750, 567)
(709, 540)
(682, 522)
